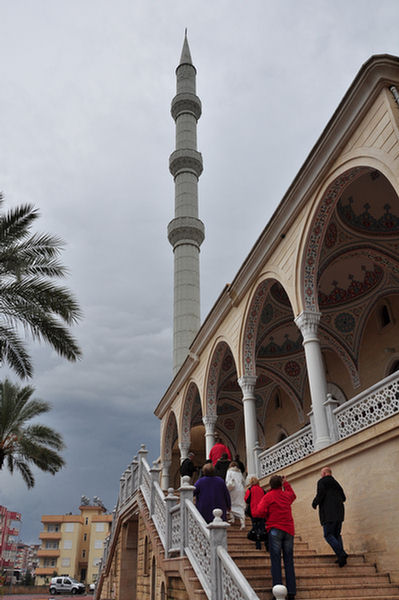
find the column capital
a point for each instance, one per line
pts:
(209, 421)
(247, 384)
(308, 324)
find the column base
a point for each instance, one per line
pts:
(321, 443)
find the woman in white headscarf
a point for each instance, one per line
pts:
(235, 485)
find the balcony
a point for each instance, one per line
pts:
(13, 531)
(48, 553)
(371, 406)
(6, 564)
(50, 535)
(45, 571)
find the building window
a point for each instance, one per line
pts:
(98, 544)
(86, 520)
(100, 527)
(69, 527)
(385, 315)
(67, 544)
(96, 562)
(85, 537)
(83, 553)
(53, 528)
(66, 562)
(277, 401)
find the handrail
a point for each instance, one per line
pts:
(182, 529)
(375, 404)
(234, 584)
(286, 452)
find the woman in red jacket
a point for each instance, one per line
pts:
(253, 496)
(275, 507)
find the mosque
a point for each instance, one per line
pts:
(295, 367)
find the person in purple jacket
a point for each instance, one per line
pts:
(211, 492)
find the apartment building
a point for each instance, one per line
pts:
(73, 544)
(9, 531)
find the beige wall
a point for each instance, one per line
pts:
(366, 465)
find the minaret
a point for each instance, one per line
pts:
(185, 232)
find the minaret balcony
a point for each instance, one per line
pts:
(186, 230)
(185, 160)
(186, 103)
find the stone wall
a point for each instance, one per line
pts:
(366, 465)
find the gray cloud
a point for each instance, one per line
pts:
(85, 135)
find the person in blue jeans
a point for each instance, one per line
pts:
(330, 498)
(275, 508)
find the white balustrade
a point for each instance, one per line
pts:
(367, 408)
(293, 448)
(182, 529)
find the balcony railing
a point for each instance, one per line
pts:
(367, 408)
(290, 450)
(183, 531)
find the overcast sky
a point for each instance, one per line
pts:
(85, 136)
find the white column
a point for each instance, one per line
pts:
(308, 323)
(209, 421)
(247, 385)
(165, 474)
(184, 448)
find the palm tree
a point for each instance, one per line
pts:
(28, 295)
(21, 444)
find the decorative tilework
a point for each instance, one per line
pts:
(319, 227)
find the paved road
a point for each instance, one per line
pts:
(42, 596)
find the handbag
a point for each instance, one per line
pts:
(248, 506)
(252, 535)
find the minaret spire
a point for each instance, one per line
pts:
(186, 231)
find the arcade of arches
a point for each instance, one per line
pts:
(260, 385)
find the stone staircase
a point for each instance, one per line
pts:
(317, 575)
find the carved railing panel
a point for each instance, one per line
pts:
(375, 404)
(159, 514)
(290, 450)
(199, 547)
(175, 529)
(234, 585)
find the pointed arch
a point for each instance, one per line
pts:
(213, 373)
(251, 323)
(186, 414)
(317, 231)
(170, 435)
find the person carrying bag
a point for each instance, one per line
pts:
(253, 496)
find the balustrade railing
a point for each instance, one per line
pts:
(182, 530)
(367, 408)
(180, 526)
(293, 448)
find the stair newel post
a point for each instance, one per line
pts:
(186, 493)
(142, 454)
(134, 467)
(121, 489)
(170, 501)
(280, 592)
(257, 451)
(330, 405)
(218, 537)
(154, 473)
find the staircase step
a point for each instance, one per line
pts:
(318, 576)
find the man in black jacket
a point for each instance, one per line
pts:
(187, 467)
(330, 499)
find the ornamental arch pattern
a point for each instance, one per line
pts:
(187, 412)
(170, 435)
(251, 325)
